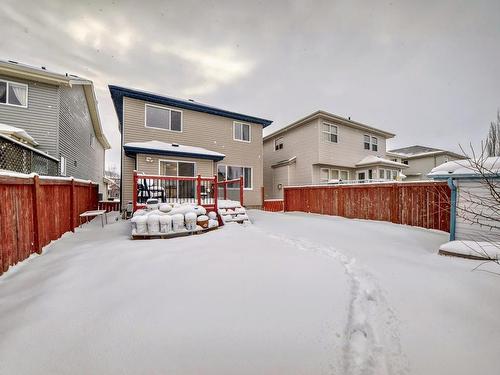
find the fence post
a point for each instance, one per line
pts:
(198, 189)
(72, 205)
(216, 188)
(134, 193)
(241, 191)
(36, 213)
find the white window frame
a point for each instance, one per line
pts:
(330, 170)
(62, 166)
(170, 122)
(282, 143)
(7, 83)
(249, 132)
(367, 143)
(330, 132)
(237, 166)
(322, 180)
(176, 161)
(346, 171)
(374, 143)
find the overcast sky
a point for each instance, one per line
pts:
(428, 71)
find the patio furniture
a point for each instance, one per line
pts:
(101, 213)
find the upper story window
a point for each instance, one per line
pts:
(278, 143)
(331, 132)
(163, 118)
(374, 144)
(241, 132)
(13, 93)
(366, 142)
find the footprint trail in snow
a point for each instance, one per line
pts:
(371, 337)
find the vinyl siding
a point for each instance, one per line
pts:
(198, 129)
(300, 142)
(465, 230)
(74, 137)
(40, 119)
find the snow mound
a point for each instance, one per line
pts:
(481, 249)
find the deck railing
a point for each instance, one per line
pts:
(203, 191)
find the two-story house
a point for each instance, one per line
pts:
(161, 135)
(324, 148)
(49, 124)
(420, 160)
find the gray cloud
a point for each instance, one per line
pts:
(427, 71)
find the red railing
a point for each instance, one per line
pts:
(203, 191)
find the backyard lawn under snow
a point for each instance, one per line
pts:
(290, 294)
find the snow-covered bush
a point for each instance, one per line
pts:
(165, 224)
(190, 219)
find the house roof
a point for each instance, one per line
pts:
(413, 152)
(33, 73)
(282, 163)
(171, 149)
(466, 169)
(377, 160)
(118, 92)
(331, 117)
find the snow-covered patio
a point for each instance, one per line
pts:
(290, 294)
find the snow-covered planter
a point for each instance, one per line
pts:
(200, 210)
(178, 222)
(212, 223)
(153, 222)
(165, 207)
(227, 218)
(141, 224)
(212, 215)
(203, 221)
(165, 224)
(190, 219)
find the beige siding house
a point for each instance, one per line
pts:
(324, 148)
(161, 135)
(421, 160)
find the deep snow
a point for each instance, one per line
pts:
(290, 294)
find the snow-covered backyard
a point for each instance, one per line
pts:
(291, 294)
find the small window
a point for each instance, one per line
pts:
(374, 144)
(370, 174)
(334, 174)
(324, 175)
(241, 132)
(344, 175)
(405, 162)
(367, 142)
(381, 173)
(394, 174)
(62, 165)
(13, 93)
(278, 143)
(163, 118)
(331, 132)
(92, 141)
(229, 172)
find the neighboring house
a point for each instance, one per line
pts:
(474, 213)
(161, 135)
(324, 148)
(420, 160)
(51, 122)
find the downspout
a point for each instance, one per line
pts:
(453, 208)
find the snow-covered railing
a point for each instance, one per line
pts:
(203, 191)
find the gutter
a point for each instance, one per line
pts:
(453, 208)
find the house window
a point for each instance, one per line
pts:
(92, 141)
(177, 168)
(229, 172)
(163, 118)
(366, 142)
(169, 189)
(394, 174)
(374, 144)
(381, 173)
(331, 132)
(405, 162)
(370, 174)
(278, 143)
(241, 132)
(344, 175)
(324, 175)
(62, 165)
(13, 93)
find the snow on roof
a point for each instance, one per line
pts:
(18, 133)
(490, 165)
(378, 160)
(171, 148)
(420, 151)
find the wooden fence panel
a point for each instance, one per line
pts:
(35, 211)
(422, 204)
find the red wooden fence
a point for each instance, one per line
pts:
(273, 205)
(425, 204)
(35, 211)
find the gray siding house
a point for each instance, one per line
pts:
(59, 113)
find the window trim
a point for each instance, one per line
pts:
(329, 132)
(7, 93)
(374, 144)
(237, 166)
(176, 161)
(170, 124)
(339, 171)
(369, 143)
(242, 140)
(282, 143)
